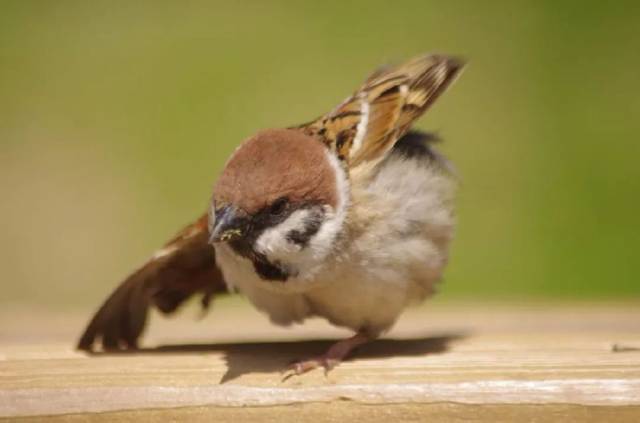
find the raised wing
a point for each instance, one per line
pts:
(183, 267)
(364, 128)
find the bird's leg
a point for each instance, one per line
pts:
(334, 355)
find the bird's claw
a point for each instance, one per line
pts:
(298, 368)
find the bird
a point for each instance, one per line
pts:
(348, 217)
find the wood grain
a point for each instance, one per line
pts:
(570, 361)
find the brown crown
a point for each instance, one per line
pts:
(277, 163)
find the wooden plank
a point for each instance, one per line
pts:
(346, 411)
(562, 360)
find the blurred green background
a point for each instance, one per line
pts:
(116, 117)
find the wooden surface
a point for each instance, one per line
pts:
(444, 362)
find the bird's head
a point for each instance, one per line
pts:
(280, 202)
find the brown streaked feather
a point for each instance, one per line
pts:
(183, 267)
(364, 128)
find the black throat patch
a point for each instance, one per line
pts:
(270, 272)
(263, 267)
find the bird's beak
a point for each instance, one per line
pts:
(230, 224)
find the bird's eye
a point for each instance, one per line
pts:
(278, 207)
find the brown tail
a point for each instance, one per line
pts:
(183, 267)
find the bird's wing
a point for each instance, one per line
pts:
(183, 267)
(364, 128)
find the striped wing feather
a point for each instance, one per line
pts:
(366, 125)
(184, 267)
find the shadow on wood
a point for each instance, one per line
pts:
(271, 357)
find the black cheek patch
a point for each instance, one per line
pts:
(311, 227)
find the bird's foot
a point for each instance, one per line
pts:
(334, 356)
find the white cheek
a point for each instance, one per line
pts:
(301, 262)
(306, 262)
(273, 242)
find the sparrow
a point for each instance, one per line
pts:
(348, 217)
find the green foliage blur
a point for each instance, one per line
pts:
(116, 117)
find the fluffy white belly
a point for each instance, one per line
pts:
(352, 299)
(392, 256)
